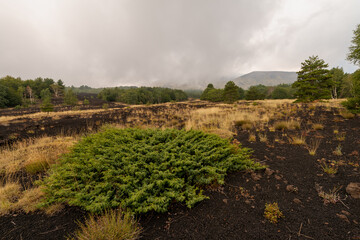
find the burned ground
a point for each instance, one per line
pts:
(294, 179)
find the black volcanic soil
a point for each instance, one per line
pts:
(235, 210)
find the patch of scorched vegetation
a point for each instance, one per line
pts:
(143, 169)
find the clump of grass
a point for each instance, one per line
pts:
(317, 126)
(331, 197)
(272, 212)
(298, 140)
(252, 137)
(244, 124)
(284, 125)
(337, 150)
(340, 136)
(263, 137)
(9, 194)
(113, 225)
(281, 125)
(314, 145)
(330, 168)
(347, 114)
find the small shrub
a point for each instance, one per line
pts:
(113, 225)
(142, 169)
(272, 212)
(86, 101)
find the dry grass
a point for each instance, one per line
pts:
(297, 140)
(313, 146)
(287, 125)
(330, 168)
(347, 115)
(318, 126)
(340, 136)
(331, 197)
(54, 115)
(9, 194)
(263, 137)
(29, 200)
(338, 151)
(113, 225)
(223, 119)
(33, 155)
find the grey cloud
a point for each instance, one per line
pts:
(177, 43)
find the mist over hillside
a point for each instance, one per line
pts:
(267, 78)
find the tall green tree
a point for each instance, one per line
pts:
(337, 75)
(70, 98)
(205, 93)
(353, 103)
(314, 80)
(257, 92)
(231, 92)
(354, 54)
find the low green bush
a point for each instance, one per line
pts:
(143, 170)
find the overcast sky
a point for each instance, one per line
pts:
(176, 43)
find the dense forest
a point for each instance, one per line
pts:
(142, 95)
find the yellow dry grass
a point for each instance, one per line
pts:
(9, 194)
(33, 155)
(54, 115)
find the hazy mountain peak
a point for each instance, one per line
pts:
(267, 78)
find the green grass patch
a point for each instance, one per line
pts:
(143, 170)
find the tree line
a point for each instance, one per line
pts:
(16, 92)
(232, 92)
(142, 95)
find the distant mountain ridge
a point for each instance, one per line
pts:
(267, 78)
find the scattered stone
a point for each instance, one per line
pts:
(255, 177)
(291, 188)
(225, 201)
(356, 222)
(247, 201)
(353, 189)
(277, 177)
(269, 172)
(297, 201)
(326, 223)
(343, 217)
(286, 182)
(345, 212)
